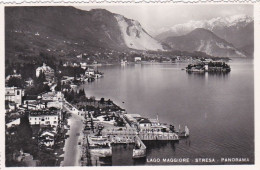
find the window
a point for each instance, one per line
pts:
(18, 92)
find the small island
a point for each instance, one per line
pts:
(212, 66)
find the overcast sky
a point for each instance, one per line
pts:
(155, 17)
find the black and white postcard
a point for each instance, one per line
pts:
(131, 84)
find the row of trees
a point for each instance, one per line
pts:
(75, 97)
(218, 64)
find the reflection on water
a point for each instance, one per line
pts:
(156, 145)
(205, 74)
(217, 108)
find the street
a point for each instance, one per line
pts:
(71, 148)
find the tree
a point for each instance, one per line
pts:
(27, 71)
(16, 82)
(41, 78)
(109, 102)
(92, 125)
(102, 100)
(58, 87)
(81, 92)
(60, 64)
(69, 96)
(46, 88)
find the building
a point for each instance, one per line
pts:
(47, 70)
(75, 65)
(138, 59)
(152, 125)
(14, 94)
(206, 67)
(36, 106)
(52, 96)
(83, 65)
(90, 72)
(13, 123)
(132, 119)
(32, 102)
(46, 138)
(44, 118)
(66, 80)
(79, 56)
(28, 99)
(155, 122)
(144, 123)
(53, 99)
(66, 64)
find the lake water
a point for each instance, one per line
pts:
(217, 108)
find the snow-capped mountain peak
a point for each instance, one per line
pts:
(229, 21)
(232, 29)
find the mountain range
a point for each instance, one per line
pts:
(237, 30)
(70, 31)
(203, 40)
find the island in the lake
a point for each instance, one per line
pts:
(209, 66)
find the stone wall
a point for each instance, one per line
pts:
(140, 149)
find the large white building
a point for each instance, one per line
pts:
(47, 70)
(14, 94)
(44, 118)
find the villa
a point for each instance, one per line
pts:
(47, 70)
(44, 118)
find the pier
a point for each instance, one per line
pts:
(99, 136)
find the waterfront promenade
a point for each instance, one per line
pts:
(71, 148)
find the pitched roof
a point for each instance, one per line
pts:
(144, 120)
